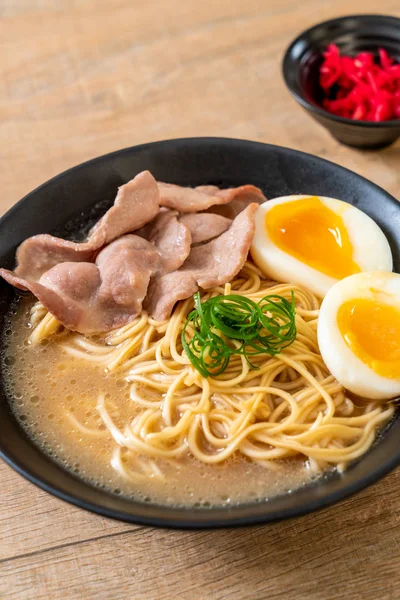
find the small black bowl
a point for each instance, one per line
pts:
(352, 34)
(278, 172)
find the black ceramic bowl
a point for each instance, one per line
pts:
(278, 171)
(352, 34)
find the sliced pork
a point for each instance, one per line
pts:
(39, 253)
(96, 297)
(189, 200)
(101, 284)
(136, 203)
(231, 210)
(171, 238)
(207, 266)
(204, 227)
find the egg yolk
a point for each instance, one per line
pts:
(371, 329)
(314, 234)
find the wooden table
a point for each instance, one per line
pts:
(79, 78)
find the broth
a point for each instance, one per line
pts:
(49, 390)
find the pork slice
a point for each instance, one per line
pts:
(136, 203)
(171, 238)
(248, 195)
(189, 200)
(208, 189)
(204, 227)
(66, 290)
(207, 266)
(126, 266)
(165, 291)
(96, 297)
(39, 253)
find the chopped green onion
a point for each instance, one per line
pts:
(266, 327)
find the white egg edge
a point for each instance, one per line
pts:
(348, 369)
(376, 256)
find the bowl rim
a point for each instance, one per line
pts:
(302, 100)
(218, 517)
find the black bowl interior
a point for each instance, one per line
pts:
(352, 34)
(72, 196)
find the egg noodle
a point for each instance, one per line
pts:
(291, 406)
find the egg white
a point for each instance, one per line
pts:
(371, 250)
(348, 369)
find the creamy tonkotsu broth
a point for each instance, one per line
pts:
(51, 391)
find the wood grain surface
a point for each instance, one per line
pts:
(79, 78)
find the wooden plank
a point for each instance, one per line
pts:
(88, 92)
(331, 554)
(31, 520)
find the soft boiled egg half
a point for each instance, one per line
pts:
(315, 241)
(359, 334)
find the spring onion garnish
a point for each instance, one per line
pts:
(227, 325)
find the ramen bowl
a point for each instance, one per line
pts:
(352, 34)
(189, 162)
